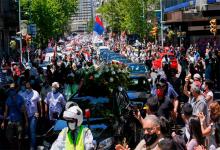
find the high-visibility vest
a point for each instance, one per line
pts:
(79, 145)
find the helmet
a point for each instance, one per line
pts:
(73, 112)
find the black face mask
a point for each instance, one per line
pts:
(150, 138)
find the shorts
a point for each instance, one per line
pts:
(14, 129)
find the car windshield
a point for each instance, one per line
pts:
(99, 106)
(137, 68)
(139, 84)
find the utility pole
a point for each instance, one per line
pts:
(19, 18)
(161, 21)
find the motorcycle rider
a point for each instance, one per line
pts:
(75, 136)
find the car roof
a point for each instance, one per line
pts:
(162, 54)
(103, 47)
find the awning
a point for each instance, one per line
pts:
(212, 1)
(179, 6)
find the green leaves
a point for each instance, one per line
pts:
(50, 16)
(129, 15)
(102, 81)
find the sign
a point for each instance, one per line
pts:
(32, 30)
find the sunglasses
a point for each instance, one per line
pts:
(148, 129)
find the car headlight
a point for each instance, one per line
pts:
(105, 144)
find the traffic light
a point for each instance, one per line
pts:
(213, 26)
(154, 31)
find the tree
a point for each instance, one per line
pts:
(129, 15)
(50, 16)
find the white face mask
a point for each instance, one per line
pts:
(72, 126)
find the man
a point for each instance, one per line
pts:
(75, 136)
(54, 102)
(152, 135)
(196, 99)
(32, 101)
(70, 88)
(166, 90)
(14, 109)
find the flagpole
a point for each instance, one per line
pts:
(161, 22)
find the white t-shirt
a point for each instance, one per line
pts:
(210, 93)
(31, 99)
(56, 103)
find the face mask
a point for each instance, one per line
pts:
(159, 93)
(72, 126)
(150, 139)
(54, 90)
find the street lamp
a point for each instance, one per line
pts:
(19, 18)
(161, 21)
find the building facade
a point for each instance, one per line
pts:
(84, 14)
(8, 24)
(192, 17)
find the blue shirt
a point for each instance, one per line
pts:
(14, 108)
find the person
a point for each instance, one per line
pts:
(152, 135)
(196, 137)
(166, 65)
(167, 98)
(187, 111)
(46, 88)
(212, 130)
(167, 144)
(70, 88)
(196, 99)
(208, 94)
(14, 109)
(75, 136)
(32, 101)
(54, 102)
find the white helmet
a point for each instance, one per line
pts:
(71, 113)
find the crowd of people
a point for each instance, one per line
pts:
(186, 95)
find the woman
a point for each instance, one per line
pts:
(208, 92)
(196, 137)
(212, 131)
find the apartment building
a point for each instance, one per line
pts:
(192, 17)
(84, 14)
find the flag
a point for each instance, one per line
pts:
(99, 28)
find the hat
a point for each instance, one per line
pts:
(55, 85)
(197, 76)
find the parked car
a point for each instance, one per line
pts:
(157, 64)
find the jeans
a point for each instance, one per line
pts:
(32, 131)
